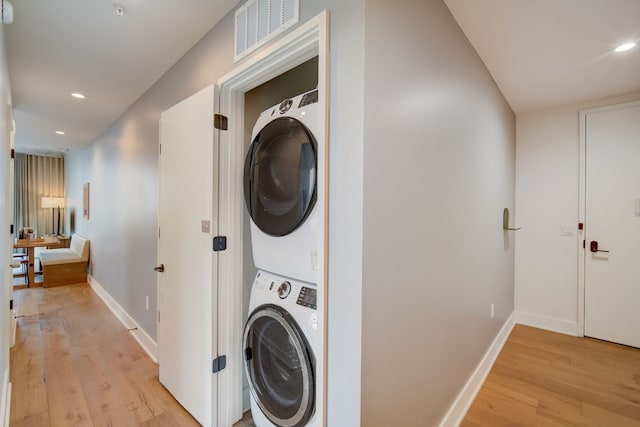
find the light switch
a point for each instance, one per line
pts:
(206, 226)
(566, 230)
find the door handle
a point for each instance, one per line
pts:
(159, 269)
(594, 247)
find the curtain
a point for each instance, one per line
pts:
(35, 177)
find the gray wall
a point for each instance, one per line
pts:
(439, 158)
(6, 218)
(122, 168)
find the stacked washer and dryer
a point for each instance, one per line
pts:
(280, 336)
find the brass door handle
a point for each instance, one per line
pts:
(159, 269)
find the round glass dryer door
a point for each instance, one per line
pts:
(280, 366)
(280, 174)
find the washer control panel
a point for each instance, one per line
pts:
(302, 293)
(308, 297)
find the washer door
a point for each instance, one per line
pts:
(280, 174)
(280, 366)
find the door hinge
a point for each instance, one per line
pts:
(584, 244)
(158, 316)
(10, 304)
(158, 232)
(219, 243)
(220, 122)
(219, 363)
(11, 229)
(160, 148)
(13, 153)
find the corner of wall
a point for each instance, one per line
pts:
(465, 398)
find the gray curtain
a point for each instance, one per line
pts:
(35, 177)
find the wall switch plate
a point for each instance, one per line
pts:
(146, 302)
(206, 226)
(493, 310)
(567, 230)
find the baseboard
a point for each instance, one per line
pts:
(465, 398)
(147, 343)
(5, 399)
(548, 323)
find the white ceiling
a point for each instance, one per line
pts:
(545, 53)
(541, 53)
(56, 47)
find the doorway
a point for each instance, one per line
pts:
(305, 43)
(610, 212)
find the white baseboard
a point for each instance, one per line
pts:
(5, 399)
(147, 343)
(465, 398)
(548, 323)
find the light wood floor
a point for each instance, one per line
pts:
(74, 364)
(543, 378)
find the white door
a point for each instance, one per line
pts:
(612, 219)
(187, 288)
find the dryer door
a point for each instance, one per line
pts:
(280, 174)
(280, 366)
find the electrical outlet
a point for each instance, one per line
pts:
(146, 302)
(493, 310)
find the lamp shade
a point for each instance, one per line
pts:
(52, 202)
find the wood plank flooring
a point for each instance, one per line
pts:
(74, 364)
(542, 378)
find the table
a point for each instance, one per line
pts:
(31, 245)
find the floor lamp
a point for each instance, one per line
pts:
(52, 203)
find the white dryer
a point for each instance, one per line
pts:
(280, 188)
(280, 342)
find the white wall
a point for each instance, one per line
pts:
(547, 186)
(439, 160)
(6, 219)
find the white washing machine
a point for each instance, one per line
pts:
(280, 188)
(280, 342)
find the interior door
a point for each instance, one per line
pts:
(612, 232)
(187, 288)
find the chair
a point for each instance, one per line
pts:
(23, 258)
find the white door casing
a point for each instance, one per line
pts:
(306, 41)
(187, 289)
(611, 200)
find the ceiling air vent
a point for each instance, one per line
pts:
(258, 21)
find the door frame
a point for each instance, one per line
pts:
(301, 44)
(582, 208)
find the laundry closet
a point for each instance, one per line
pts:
(279, 248)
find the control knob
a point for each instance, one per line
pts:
(284, 290)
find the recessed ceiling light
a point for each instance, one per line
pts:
(59, 132)
(120, 10)
(626, 46)
(78, 95)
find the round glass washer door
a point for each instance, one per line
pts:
(280, 174)
(280, 366)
